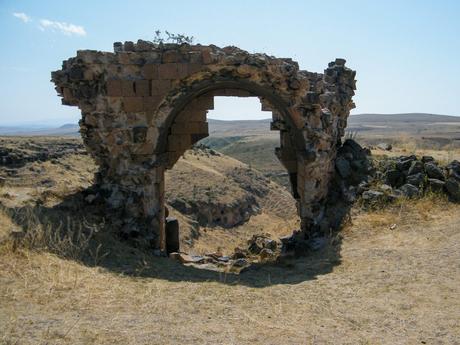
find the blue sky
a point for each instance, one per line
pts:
(406, 53)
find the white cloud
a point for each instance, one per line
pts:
(21, 15)
(46, 24)
(65, 28)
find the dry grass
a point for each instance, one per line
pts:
(404, 145)
(381, 286)
(391, 277)
(68, 238)
(195, 174)
(223, 240)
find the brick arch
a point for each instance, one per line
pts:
(132, 99)
(230, 88)
(200, 100)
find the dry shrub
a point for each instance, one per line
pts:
(66, 237)
(403, 211)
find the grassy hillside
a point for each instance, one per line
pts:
(208, 192)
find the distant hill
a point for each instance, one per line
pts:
(408, 122)
(68, 129)
(404, 118)
(238, 127)
(440, 128)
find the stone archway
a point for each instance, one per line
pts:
(144, 105)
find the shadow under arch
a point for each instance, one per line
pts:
(122, 258)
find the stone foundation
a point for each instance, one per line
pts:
(144, 105)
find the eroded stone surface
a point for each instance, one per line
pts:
(144, 105)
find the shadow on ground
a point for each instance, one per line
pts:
(73, 222)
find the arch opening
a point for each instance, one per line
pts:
(226, 194)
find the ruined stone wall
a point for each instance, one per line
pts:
(145, 104)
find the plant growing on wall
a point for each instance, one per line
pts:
(168, 37)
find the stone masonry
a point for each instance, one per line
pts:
(145, 104)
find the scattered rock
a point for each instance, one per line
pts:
(416, 179)
(223, 259)
(186, 258)
(415, 168)
(372, 197)
(403, 164)
(453, 170)
(384, 146)
(266, 253)
(362, 187)
(259, 242)
(452, 188)
(409, 190)
(240, 262)
(426, 159)
(343, 167)
(90, 198)
(394, 178)
(435, 185)
(385, 188)
(433, 171)
(238, 254)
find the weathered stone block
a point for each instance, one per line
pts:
(88, 75)
(160, 87)
(179, 142)
(139, 134)
(193, 68)
(138, 119)
(133, 104)
(265, 106)
(277, 126)
(191, 115)
(189, 127)
(124, 58)
(128, 46)
(114, 88)
(90, 120)
(195, 57)
(68, 94)
(142, 87)
(152, 102)
(117, 47)
(171, 56)
(182, 70)
(168, 71)
(150, 71)
(127, 88)
(206, 56)
(202, 103)
(145, 148)
(114, 104)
